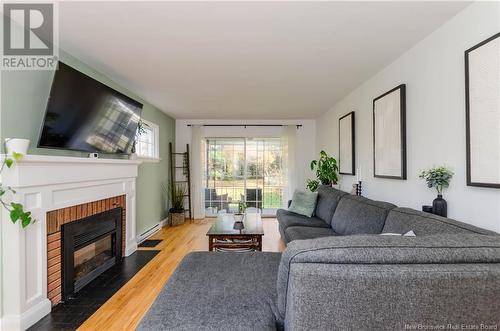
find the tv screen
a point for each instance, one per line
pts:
(85, 115)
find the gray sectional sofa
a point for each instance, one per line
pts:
(339, 273)
(339, 213)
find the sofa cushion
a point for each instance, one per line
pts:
(328, 198)
(306, 232)
(359, 215)
(401, 220)
(218, 291)
(303, 203)
(287, 218)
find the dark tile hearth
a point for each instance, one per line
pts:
(72, 313)
(150, 243)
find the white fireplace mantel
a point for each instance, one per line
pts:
(45, 183)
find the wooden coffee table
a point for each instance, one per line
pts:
(223, 236)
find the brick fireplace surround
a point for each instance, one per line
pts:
(55, 219)
(57, 190)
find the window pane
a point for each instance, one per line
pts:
(243, 170)
(146, 144)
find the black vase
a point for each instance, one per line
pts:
(439, 206)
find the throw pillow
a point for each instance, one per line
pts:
(303, 203)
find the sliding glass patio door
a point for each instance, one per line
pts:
(243, 169)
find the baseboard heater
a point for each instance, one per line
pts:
(146, 234)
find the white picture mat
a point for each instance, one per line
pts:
(484, 113)
(345, 145)
(387, 111)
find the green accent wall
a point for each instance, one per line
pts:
(153, 177)
(24, 97)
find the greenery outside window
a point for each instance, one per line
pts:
(243, 170)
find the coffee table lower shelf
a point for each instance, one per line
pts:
(236, 243)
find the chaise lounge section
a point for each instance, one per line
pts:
(347, 277)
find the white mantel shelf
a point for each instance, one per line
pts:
(38, 170)
(70, 159)
(44, 183)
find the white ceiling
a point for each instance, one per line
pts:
(245, 60)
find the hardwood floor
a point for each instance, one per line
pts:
(126, 308)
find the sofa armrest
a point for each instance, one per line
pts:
(386, 265)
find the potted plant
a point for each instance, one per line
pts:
(140, 131)
(312, 185)
(238, 217)
(326, 171)
(16, 210)
(17, 145)
(176, 212)
(438, 177)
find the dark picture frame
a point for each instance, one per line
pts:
(347, 144)
(389, 113)
(476, 124)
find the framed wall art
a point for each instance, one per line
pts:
(347, 149)
(482, 112)
(389, 134)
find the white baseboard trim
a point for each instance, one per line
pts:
(130, 248)
(164, 222)
(155, 228)
(26, 319)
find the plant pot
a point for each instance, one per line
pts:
(238, 226)
(439, 206)
(17, 145)
(176, 217)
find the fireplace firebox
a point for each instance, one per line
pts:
(90, 246)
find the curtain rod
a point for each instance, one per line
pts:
(245, 125)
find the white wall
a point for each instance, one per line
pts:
(306, 144)
(433, 72)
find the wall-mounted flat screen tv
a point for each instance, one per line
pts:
(85, 115)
